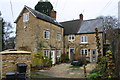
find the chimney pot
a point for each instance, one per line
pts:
(81, 16)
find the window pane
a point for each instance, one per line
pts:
(58, 37)
(86, 52)
(84, 39)
(82, 51)
(72, 50)
(58, 53)
(72, 37)
(46, 34)
(69, 37)
(25, 17)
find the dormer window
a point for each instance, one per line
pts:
(71, 37)
(25, 17)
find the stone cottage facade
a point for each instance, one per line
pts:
(34, 27)
(79, 37)
(69, 37)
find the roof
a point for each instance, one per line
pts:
(71, 27)
(82, 26)
(88, 26)
(40, 16)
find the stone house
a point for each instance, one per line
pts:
(33, 27)
(79, 37)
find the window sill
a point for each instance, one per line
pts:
(71, 40)
(84, 43)
(46, 38)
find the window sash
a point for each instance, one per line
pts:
(84, 39)
(46, 34)
(46, 52)
(59, 37)
(71, 37)
(58, 53)
(25, 17)
(84, 51)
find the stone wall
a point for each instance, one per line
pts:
(78, 45)
(9, 61)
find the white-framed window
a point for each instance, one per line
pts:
(84, 39)
(25, 17)
(46, 34)
(84, 52)
(58, 53)
(72, 50)
(46, 52)
(71, 37)
(59, 37)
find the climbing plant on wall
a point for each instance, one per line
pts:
(98, 44)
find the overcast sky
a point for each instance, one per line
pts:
(66, 9)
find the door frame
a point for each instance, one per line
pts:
(91, 55)
(53, 56)
(70, 53)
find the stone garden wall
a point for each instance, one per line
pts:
(9, 61)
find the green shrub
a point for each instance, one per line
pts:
(94, 75)
(47, 62)
(87, 61)
(95, 70)
(64, 58)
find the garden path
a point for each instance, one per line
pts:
(64, 71)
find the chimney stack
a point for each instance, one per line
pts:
(81, 16)
(53, 14)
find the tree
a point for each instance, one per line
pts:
(110, 24)
(44, 7)
(111, 31)
(8, 39)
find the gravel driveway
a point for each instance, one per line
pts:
(64, 71)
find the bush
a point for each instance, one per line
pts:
(94, 75)
(64, 58)
(95, 70)
(87, 61)
(37, 59)
(47, 62)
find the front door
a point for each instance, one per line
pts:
(93, 55)
(53, 56)
(71, 52)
